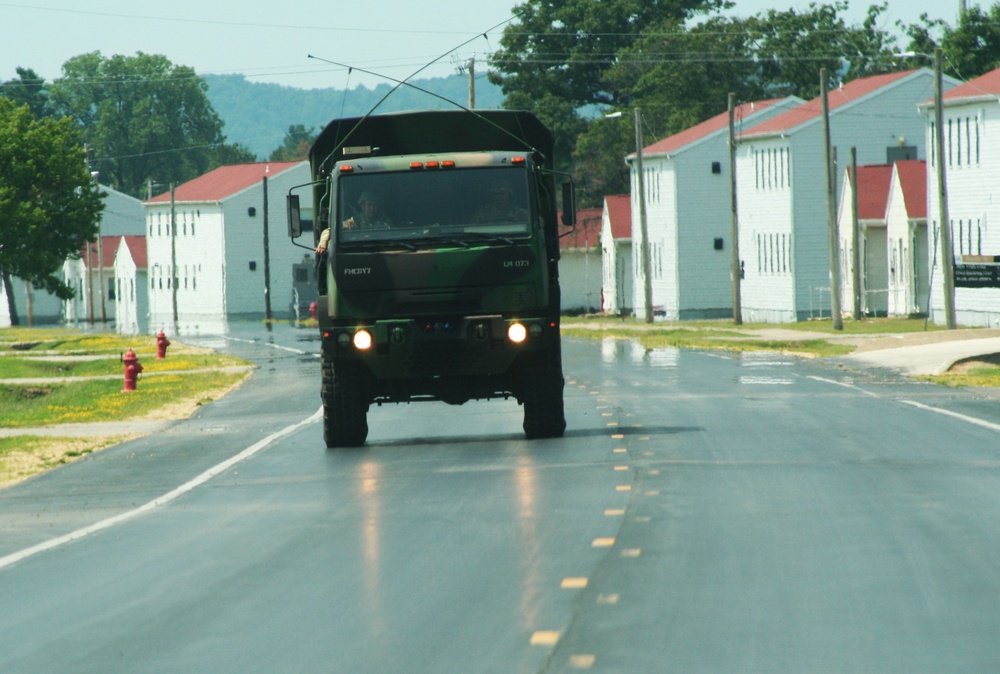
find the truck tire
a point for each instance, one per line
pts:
(544, 416)
(345, 409)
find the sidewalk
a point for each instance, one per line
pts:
(910, 353)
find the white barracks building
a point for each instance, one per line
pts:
(210, 267)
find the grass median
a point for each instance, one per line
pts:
(58, 376)
(726, 335)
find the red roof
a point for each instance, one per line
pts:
(137, 248)
(848, 93)
(620, 214)
(706, 128)
(587, 232)
(873, 191)
(984, 85)
(913, 181)
(224, 181)
(109, 246)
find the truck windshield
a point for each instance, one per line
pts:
(457, 205)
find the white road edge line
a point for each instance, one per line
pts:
(161, 501)
(956, 415)
(273, 346)
(843, 384)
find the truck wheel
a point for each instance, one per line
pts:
(345, 409)
(543, 397)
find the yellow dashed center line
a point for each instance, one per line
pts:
(544, 638)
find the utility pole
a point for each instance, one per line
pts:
(647, 281)
(100, 243)
(267, 261)
(855, 236)
(90, 280)
(947, 252)
(831, 210)
(469, 67)
(472, 82)
(172, 281)
(734, 230)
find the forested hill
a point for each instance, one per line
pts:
(257, 114)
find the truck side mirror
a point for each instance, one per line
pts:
(294, 216)
(568, 204)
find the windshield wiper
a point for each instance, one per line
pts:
(375, 244)
(495, 238)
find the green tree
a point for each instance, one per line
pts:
(298, 140)
(49, 203)
(28, 89)
(144, 117)
(681, 75)
(553, 60)
(971, 49)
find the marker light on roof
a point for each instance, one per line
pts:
(346, 168)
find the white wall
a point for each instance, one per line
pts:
(973, 173)
(580, 278)
(764, 193)
(244, 243)
(199, 243)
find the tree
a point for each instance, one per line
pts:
(298, 140)
(144, 117)
(680, 75)
(49, 203)
(28, 89)
(971, 49)
(553, 60)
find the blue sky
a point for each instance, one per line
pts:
(271, 41)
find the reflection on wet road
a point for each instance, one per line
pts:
(706, 511)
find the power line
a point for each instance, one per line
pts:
(243, 24)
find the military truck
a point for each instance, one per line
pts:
(441, 279)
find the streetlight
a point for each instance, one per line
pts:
(647, 281)
(947, 254)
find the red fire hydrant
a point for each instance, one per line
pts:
(132, 369)
(161, 345)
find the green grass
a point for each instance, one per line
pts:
(103, 399)
(726, 335)
(168, 388)
(21, 367)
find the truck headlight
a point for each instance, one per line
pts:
(517, 333)
(362, 340)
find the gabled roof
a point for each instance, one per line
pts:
(109, 248)
(913, 181)
(137, 249)
(619, 207)
(709, 126)
(986, 85)
(587, 231)
(94, 255)
(224, 182)
(810, 110)
(873, 191)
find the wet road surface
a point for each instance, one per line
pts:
(705, 512)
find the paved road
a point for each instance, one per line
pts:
(705, 512)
